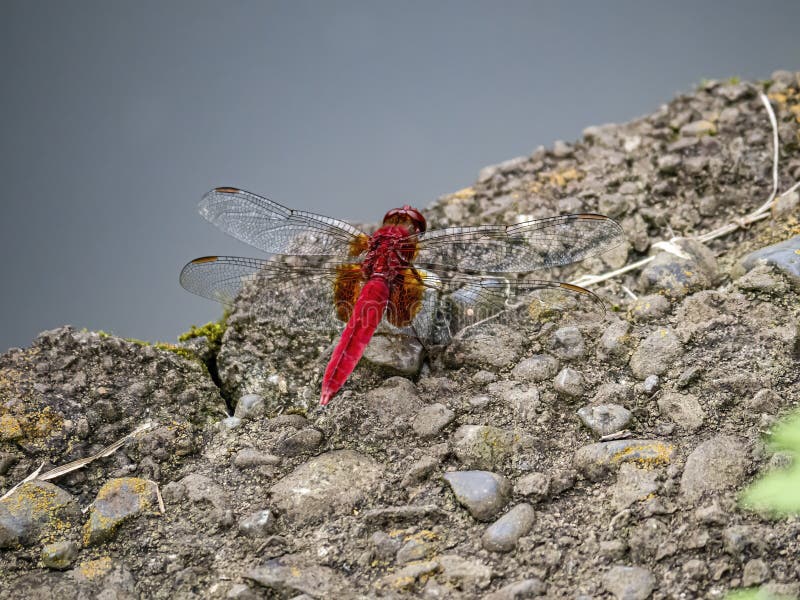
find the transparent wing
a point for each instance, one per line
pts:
(518, 248)
(276, 229)
(292, 296)
(465, 301)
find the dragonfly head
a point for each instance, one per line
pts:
(406, 216)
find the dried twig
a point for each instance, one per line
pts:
(81, 462)
(762, 212)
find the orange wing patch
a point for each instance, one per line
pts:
(405, 298)
(346, 288)
(359, 244)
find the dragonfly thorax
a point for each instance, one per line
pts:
(390, 250)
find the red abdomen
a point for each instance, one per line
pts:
(367, 314)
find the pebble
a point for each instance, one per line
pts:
(393, 403)
(464, 574)
(430, 420)
(755, 571)
(300, 442)
(498, 350)
(118, 500)
(258, 524)
(605, 419)
(649, 308)
(250, 406)
(567, 343)
(482, 493)
(59, 555)
(524, 402)
(407, 577)
(784, 256)
(503, 534)
(413, 550)
(519, 590)
(289, 578)
(682, 409)
(327, 485)
(651, 383)
(384, 546)
(668, 164)
(614, 343)
(420, 470)
(698, 128)
(629, 583)
(656, 353)
(596, 460)
(10, 429)
(483, 446)
(535, 369)
(715, 465)
(569, 383)
(250, 457)
(676, 277)
(400, 354)
(34, 510)
(633, 484)
(533, 486)
(230, 422)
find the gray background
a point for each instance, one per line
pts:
(116, 117)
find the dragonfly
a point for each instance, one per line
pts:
(403, 278)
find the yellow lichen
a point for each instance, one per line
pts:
(463, 194)
(96, 568)
(645, 455)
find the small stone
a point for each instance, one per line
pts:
(250, 457)
(677, 276)
(327, 485)
(503, 534)
(561, 480)
(498, 350)
(569, 382)
(10, 429)
(698, 128)
(464, 574)
(764, 401)
(230, 422)
(651, 384)
(648, 540)
(605, 419)
(711, 514)
(682, 409)
(633, 484)
(694, 569)
(567, 343)
(649, 308)
(393, 404)
(399, 354)
(613, 205)
(615, 342)
(596, 460)
(483, 446)
(715, 465)
(762, 279)
(484, 494)
(250, 406)
(420, 470)
(258, 524)
(629, 583)
(784, 256)
(656, 353)
(561, 149)
(535, 369)
(413, 550)
(34, 510)
(534, 486)
(408, 577)
(668, 164)
(300, 442)
(519, 590)
(117, 501)
(59, 555)
(755, 571)
(613, 549)
(430, 420)
(289, 578)
(7, 460)
(384, 546)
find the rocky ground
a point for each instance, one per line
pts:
(478, 472)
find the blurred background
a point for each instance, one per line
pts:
(116, 117)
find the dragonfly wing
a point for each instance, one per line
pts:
(466, 301)
(293, 296)
(520, 248)
(276, 229)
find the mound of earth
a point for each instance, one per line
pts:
(581, 454)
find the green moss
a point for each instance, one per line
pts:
(212, 331)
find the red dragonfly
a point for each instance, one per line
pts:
(408, 280)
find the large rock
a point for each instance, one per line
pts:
(35, 510)
(484, 494)
(483, 446)
(327, 485)
(119, 500)
(715, 465)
